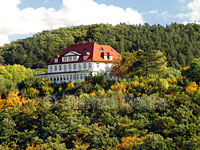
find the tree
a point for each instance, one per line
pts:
(124, 67)
(116, 71)
(194, 70)
(151, 61)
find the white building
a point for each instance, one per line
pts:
(79, 61)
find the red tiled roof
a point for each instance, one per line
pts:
(94, 52)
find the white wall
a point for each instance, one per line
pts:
(94, 67)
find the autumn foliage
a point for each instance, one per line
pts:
(13, 100)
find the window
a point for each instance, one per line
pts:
(54, 79)
(70, 58)
(60, 78)
(77, 76)
(50, 69)
(97, 65)
(79, 66)
(105, 57)
(111, 57)
(75, 58)
(90, 65)
(70, 77)
(56, 60)
(65, 68)
(55, 68)
(84, 57)
(70, 67)
(81, 76)
(64, 78)
(74, 76)
(84, 65)
(67, 77)
(60, 67)
(85, 75)
(57, 78)
(74, 66)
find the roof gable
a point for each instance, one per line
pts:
(72, 53)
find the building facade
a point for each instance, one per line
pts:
(78, 61)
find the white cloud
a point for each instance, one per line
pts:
(193, 13)
(194, 6)
(3, 39)
(153, 11)
(165, 15)
(14, 21)
(89, 12)
(181, 1)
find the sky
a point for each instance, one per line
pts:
(23, 18)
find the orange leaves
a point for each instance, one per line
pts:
(129, 142)
(119, 87)
(192, 88)
(92, 94)
(12, 100)
(185, 68)
(100, 92)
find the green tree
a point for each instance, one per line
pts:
(151, 61)
(194, 70)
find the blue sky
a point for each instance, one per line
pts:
(23, 18)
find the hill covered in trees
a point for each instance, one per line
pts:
(155, 105)
(160, 111)
(180, 43)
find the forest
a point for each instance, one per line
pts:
(179, 43)
(154, 104)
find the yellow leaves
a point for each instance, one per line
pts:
(30, 108)
(83, 131)
(185, 68)
(78, 144)
(119, 87)
(147, 89)
(70, 86)
(12, 100)
(128, 143)
(172, 82)
(100, 92)
(96, 125)
(35, 147)
(135, 83)
(92, 94)
(192, 88)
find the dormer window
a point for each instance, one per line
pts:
(105, 57)
(75, 58)
(56, 60)
(111, 57)
(84, 57)
(69, 58)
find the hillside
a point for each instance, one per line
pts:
(180, 43)
(153, 113)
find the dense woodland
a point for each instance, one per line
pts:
(155, 104)
(180, 43)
